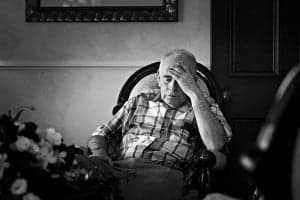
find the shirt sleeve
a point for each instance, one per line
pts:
(117, 122)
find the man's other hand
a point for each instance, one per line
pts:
(97, 145)
(102, 155)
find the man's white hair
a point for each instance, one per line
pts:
(181, 54)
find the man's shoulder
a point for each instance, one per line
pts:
(150, 95)
(143, 98)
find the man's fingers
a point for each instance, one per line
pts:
(176, 75)
(179, 76)
(174, 72)
(178, 68)
(104, 158)
(178, 71)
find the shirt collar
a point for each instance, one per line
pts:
(183, 108)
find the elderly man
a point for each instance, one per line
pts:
(166, 126)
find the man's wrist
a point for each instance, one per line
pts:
(100, 152)
(197, 98)
(97, 143)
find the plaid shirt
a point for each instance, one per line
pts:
(150, 129)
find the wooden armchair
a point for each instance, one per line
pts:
(145, 79)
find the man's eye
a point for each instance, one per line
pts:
(167, 79)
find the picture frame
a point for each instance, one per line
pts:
(166, 12)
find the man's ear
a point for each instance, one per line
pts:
(158, 78)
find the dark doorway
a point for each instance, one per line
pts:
(254, 44)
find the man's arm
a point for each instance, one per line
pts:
(211, 130)
(98, 142)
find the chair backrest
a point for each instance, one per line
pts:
(145, 78)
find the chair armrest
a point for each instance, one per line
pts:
(201, 164)
(197, 175)
(221, 160)
(116, 108)
(207, 159)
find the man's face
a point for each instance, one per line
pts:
(171, 93)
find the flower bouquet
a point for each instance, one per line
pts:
(36, 164)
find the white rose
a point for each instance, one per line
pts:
(30, 196)
(47, 155)
(23, 143)
(53, 137)
(34, 148)
(51, 157)
(62, 154)
(19, 186)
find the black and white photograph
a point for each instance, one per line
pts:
(149, 100)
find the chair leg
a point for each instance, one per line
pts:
(256, 194)
(204, 186)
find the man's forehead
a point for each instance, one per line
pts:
(171, 61)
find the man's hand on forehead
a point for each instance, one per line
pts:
(178, 68)
(177, 72)
(180, 71)
(182, 67)
(184, 78)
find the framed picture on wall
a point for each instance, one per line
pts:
(101, 10)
